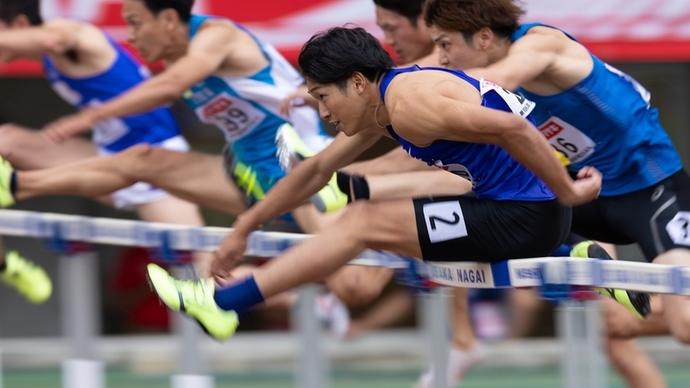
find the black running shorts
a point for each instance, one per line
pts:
(468, 229)
(656, 218)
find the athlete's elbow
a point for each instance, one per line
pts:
(55, 44)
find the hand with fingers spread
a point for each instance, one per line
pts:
(300, 97)
(229, 254)
(68, 126)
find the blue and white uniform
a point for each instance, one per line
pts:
(493, 172)
(246, 110)
(606, 121)
(513, 214)
(157, 127)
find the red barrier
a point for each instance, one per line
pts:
(614, 30)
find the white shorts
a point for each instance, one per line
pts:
(141, 192)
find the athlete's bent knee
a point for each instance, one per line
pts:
(354, 293)
(677, 256)
(354, 286)
(11, 135)
(9, 127)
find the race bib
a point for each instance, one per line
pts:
(517, 104)
(679, 228)
(234, 116)
(444, 221)
(567, 140)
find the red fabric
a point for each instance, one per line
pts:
(615, 30)
(129, 275)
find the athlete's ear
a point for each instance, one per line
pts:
(359, 82)
(170, 18)
(483, 38)
(21, 21)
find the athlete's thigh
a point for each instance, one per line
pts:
(674, 221)
(196, 177)
(386, 225)
(26, 149)
(591, 223)
(656, 218)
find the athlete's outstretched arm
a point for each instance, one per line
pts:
(535, 55)
(452, 118)
(307, 178)
(207, 51)
(55, 37)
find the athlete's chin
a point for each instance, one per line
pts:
(341, 128)
(148, 57)
(346, 132)
(7, 58)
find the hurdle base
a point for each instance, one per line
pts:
(78, 373)
(192, 381)
(583, 362)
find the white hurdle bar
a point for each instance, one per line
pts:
(655, 278)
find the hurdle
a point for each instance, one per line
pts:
(531, 272)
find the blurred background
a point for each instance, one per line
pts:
(648, 39)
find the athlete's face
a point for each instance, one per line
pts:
(341, 108)
(146, 31)
(455, 52)
(410, 42)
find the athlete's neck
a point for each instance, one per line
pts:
(498, 50)
(178, 44)
(380, 114)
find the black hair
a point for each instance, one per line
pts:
(410, 9)
(331, 57)
(182, 7)
(10, 9)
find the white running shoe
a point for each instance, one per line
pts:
(333, 314)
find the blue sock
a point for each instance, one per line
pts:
(240, 296)
(563, 250)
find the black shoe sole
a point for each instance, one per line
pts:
(639, 300)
